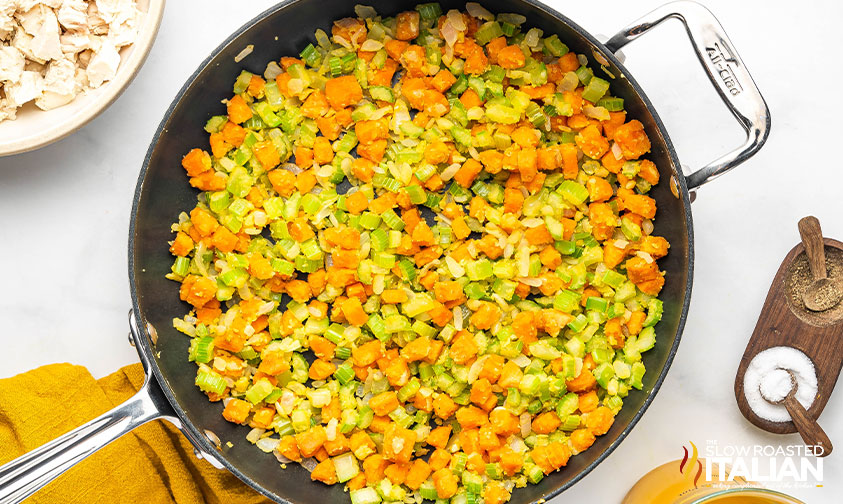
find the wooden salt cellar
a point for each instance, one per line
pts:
(784, 321)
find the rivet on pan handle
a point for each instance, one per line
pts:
(726, 71)
(25, 475)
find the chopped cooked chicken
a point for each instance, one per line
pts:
(103, 66)
(53, 50)
(25, 89)
(73, 14)
(11, 64)
(59, 86)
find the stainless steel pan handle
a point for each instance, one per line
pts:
(726, 71)
(23, 476)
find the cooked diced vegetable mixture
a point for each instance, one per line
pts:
(422, 261)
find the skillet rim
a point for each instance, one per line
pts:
(199, 440)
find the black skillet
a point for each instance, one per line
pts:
(162, 193)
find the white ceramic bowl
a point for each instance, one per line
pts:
(35, 128)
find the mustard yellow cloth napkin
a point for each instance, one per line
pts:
(153, 464)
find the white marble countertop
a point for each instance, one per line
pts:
(64, 213)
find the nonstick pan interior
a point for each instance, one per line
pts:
(163, 192)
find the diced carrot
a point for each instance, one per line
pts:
(321, 369)
(315, 105)
(182, 245)
(476, 61)
(407, 25)
(495, 493)
(366, 354)
(343, 91)
(439, 436)
(311, 440)
(374, 466)
(511, 461)
(397, 473)
(588, 401)
(645, 275)
(569, 62)
(599, 189)
(470, 417)
(444, 406)
(511, 57)
(338, 445)
(357, 482)
(323, 153)
(640, 204)
(197, 290)
(361, 445)
(583, 382)
(546, 423)
(439, 459)
(394, 48)
(648, 171)
(373, 151)
(384, 403)
(600, 421)
(196, 162)
(468, 172)
(236, 411)
(238, 110)
(417, 474)
(324, 472)
(470, 98)
(443, 80)
(636, 322)
(362, 168)
(494, 47)
(303, 156)
(446, 483)
(369, 131)
(503, 422)
(582, 439)
(632, 139)
(289, 448)
(353, 311)
(398, 443)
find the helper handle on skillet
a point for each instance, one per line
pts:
(726, 71)
(26, 474)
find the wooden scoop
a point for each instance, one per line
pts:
(811, 432)
(823, 293)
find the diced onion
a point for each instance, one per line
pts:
(449, 33)
(254, 435)
(647, 226)
(521, 361)
(365, 11)
(371, 45)
(457, 318)
(449, 172)
(331, 429)
(268, 444)
(644, 255)
(474, 370)
(245, 52)
(456, 20)
(617, 151)
(477, 10)
(309, 463)
(526, 426)
(281, 458)
(599, 113)
(272, 71)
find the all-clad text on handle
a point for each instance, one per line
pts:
(726, 71)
